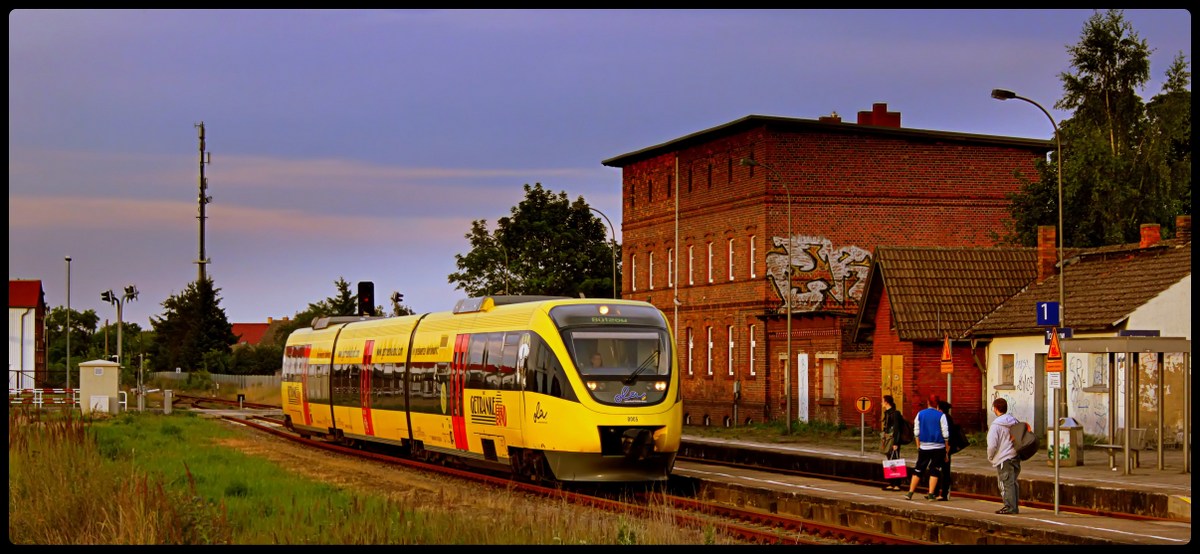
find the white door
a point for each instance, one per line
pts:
(802, 386)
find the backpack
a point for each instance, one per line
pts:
(958, 439)
(906, 430)
(1024, 439)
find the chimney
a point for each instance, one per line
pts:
(832, 118)
(879, 116)
(1151, 234)
(269, 321)
(1047, 253)
(1183, 227)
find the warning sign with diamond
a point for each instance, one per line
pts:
(1054, 361)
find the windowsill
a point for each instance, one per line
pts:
(1004, 387)
(826, 402)
(1099, 388)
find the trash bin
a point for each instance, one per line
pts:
(1070, 443)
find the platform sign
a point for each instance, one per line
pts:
(863, 404)
(1054, 380)
(1054, 361)
(1047, 313)
(947, 360)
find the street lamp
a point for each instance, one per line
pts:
(613, 230)
(1002, 94)
(787, 273)
(109, 296)
(68, 258)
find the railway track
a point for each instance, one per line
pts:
(745, 525)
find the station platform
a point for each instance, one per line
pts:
(1163, 494)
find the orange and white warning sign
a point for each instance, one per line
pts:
(1054, 361)
(947, 360)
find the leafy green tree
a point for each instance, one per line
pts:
(83, 327)
(192, 325)
(548, 246)
(1124, 162)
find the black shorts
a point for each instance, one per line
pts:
(930, 460)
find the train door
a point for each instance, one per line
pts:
(458, 379)
(304, 370)
(364, 388)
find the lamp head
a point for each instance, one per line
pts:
(107, 296)
(1001, 94)
(68, 258)
(131, 292)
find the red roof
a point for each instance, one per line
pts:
(250, 333)
(24, 293)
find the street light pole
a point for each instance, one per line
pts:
(613, 230)
(1002, 94)
(787, 273)
(68, 258)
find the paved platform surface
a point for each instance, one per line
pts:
(969, 516)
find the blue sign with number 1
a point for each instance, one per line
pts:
(1047, 313)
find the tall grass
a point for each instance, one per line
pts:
(154, 479)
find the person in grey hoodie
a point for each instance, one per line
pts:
(1002, 454)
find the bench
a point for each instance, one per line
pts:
(1137, 443)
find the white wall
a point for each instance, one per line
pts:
(22, 350)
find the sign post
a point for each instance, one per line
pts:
(1054, 371)
(864, 405)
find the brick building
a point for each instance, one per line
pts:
(736, 205)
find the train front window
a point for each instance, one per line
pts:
(621, 366)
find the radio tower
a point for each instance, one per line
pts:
(204, 199)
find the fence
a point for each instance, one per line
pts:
(239, 381)
(44, 397)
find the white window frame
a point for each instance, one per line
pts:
(691, 345)
(730, 259)
(633, 271)
(753, 253)
(710, 262)
(708, 364)
(753, 346)
(670, 267)
(691, 266)
(651, 269)
(729, 362)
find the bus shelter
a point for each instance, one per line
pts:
(1136, 351)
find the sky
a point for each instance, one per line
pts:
(361, 144)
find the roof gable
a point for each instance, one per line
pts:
(1103, 287)
(25, 293)
(934, 291)
(250, 333)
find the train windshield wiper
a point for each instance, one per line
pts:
(649, 362)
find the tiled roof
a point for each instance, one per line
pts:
(1101, 289)
(945, 290)
(24, 293)
(250, 333)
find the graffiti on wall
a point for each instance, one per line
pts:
(823, 277)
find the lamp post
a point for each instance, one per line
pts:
(612, 230)
(68, 258)
(1002, 94)
(787, 273)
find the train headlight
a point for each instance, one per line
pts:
(660, 386)
(603, 310)
(592, 385)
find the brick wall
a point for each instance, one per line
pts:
(849, 193)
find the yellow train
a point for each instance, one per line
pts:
(548, 388)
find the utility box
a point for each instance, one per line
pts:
(99, 382)
(1070, 443)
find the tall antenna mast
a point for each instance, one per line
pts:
(204, 199)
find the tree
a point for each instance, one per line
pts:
(548, 246)
(1123, 163)
(342, 303)
(192, 325)
(83, 327)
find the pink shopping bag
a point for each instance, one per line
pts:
(894, 469)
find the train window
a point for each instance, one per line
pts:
(508, 362)
(493, 360)
(619, 351)
(475, 354)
